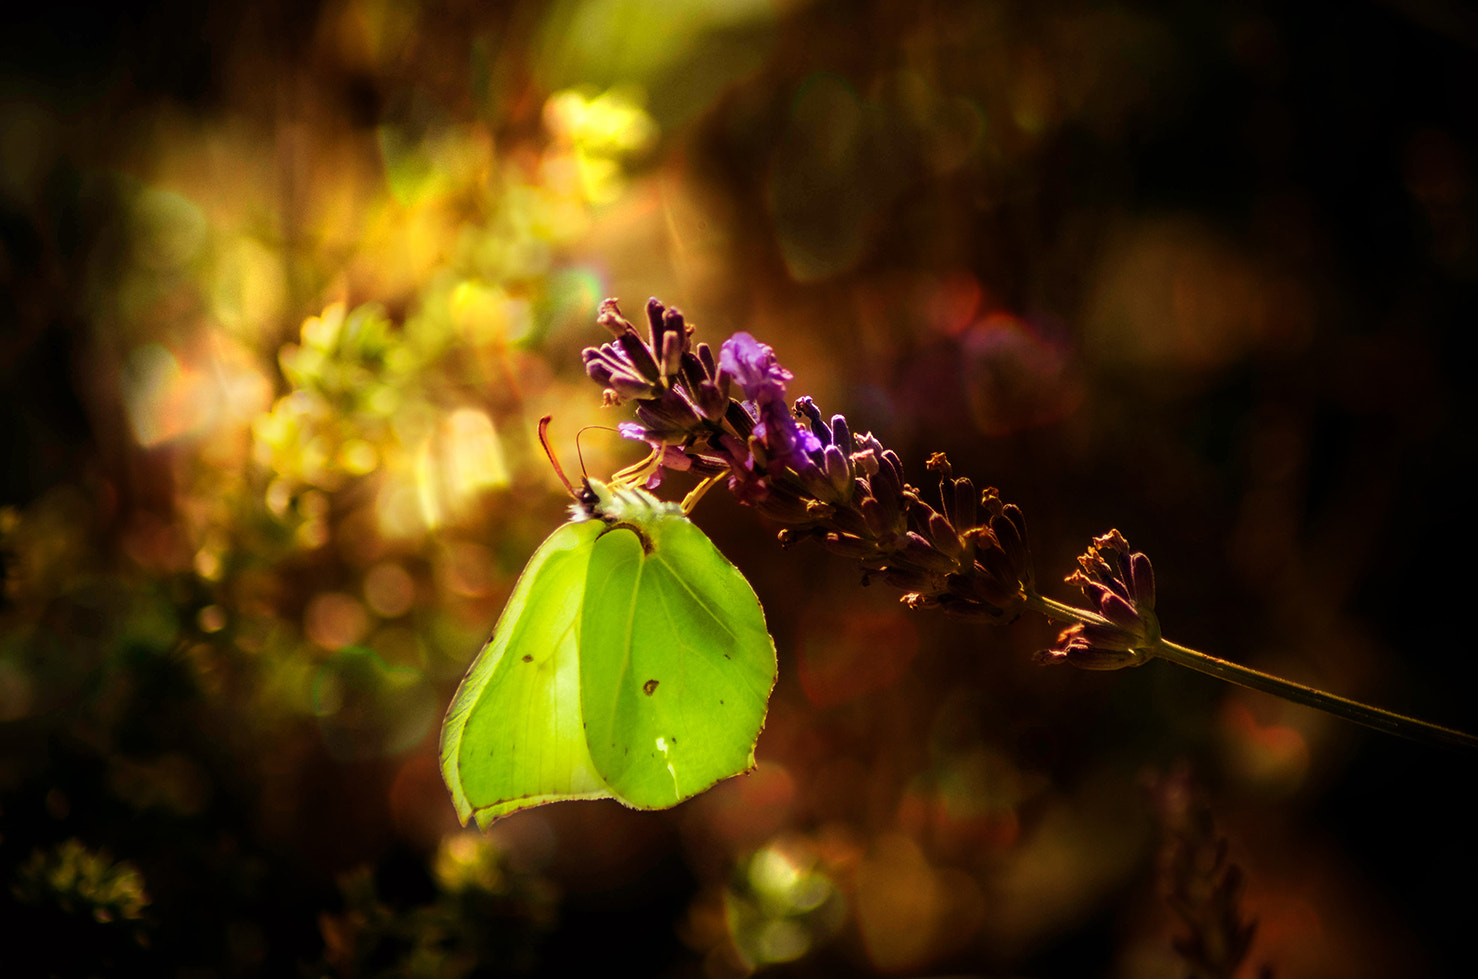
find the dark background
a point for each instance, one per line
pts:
(1198, 272)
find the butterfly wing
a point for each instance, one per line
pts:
(676, 663)
(514, 735)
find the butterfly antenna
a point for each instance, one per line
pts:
(632, 474)
(558, 469)
(580, 451)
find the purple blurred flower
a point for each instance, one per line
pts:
(1201, 885)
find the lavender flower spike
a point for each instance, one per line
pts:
(842, 489)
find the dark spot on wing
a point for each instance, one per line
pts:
(527, 658)
(649, 688)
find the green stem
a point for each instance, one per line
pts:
(1351, 710)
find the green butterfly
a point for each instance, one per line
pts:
(632, 662)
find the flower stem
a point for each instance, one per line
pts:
(1298, 693)
(1245, 676)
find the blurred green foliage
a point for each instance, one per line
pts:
(78, 882)
(484, 915)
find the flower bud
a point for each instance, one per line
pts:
(838, 472)
(609, 316)
(640, 358)
(943, 534)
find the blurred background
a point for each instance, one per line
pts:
(284, 288)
